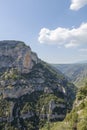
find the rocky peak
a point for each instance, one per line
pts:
(31, 91)
(17, 55)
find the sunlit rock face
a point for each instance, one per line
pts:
(31, 91)
(16, 54)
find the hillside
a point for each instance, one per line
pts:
(77, 118)
(31, 92)
(77, 73)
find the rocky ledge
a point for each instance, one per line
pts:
(31, 91)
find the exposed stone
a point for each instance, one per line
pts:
(25, 80)
(16, 54)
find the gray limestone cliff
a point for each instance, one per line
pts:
(16, 54)
(31, 91)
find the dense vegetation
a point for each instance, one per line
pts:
(33, 109)
(77, 118)
(32, 93)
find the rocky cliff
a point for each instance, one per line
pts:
(15, 54)
(31, 92)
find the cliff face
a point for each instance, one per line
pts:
(17, 55)
(31, 91)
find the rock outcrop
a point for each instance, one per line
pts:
(31, 91)
(17, 55)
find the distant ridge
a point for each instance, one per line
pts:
(77, 72)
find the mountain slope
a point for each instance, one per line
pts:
(77, 73)
(77, 118)
(31, 91)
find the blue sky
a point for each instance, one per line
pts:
(55, 29)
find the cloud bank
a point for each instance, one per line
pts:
(64, 36)
(77, 4)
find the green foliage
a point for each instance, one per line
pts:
(4, 108)
(82, 125)
(36, 101)
(11, 74)
(82, 93)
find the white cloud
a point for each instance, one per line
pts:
(77, 4)
(69, 45)
(64, 36)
